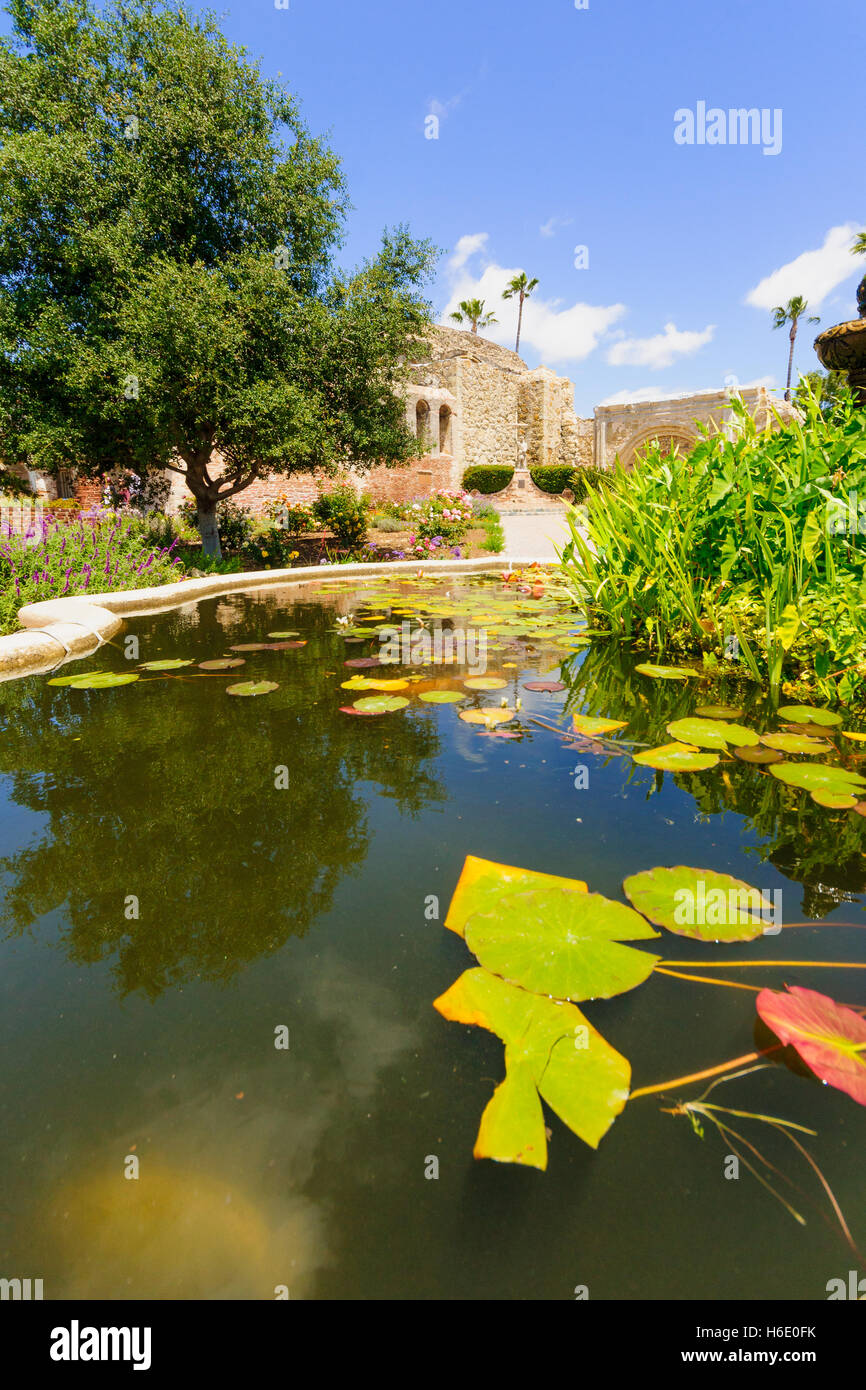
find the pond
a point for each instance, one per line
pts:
(223, 933)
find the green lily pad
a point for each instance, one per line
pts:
(718, 712)
(169, 664)
(834, 801)
(282, 635)
(806, 714)
(441, 697)
(816, 777)
(712, 733)
(97, 680)
(757, 755)
(588, 724)
(563, 944)
(676, 757)
(550, 1045)
(221, 663)
(483, 883)
(699, 903)
(666, 673)
(252, 688)
(796, 743)
(485, 683)
(380, 704)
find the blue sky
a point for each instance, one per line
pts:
(556, 129)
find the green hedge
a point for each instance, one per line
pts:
(492, 477)
(556, 477)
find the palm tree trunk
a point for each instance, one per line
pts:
(793, 336)
(519, 322)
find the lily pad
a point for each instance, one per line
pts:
(829, 1037)
(676, 757)
(665, 673)
(370, 683)
(441, 697)
(588, 724)
(488, 717)
(96, 680)
(796, 743)
(550, 1045)
(757, 755)
(222, 663)
(712, 733)
(249, 647)
(549, 686)
(282, 635)
(699, 903)
(381, 704)
(483, 883)
(282, 646)
(361, 663)
(252, 688)
(168, 664)
(855, 734)
(834, 801)
(806, 714)
(816, 777)
(718, 712)
(564, 944)
(485, 683)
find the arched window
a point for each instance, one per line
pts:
(444, 429)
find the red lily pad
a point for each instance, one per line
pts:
(544, 685)
(223, 663)
(249, 647)
(282, 646)
(361, 662)
(829, 1037)
(350, 709)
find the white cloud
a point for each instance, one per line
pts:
(652, 393)
(557, 332)
(553, 224)
(814, 274)
(466, 247)
(660, 350)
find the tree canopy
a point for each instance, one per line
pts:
(168, 290)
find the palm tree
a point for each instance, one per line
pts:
(473, 312)
(791, 313)
(523, 287)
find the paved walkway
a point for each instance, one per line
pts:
(534, 535)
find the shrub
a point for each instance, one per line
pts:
(269, 549)
(483, 510)
(100, 552)
(553, 477)
(345, 514)
(494, 536)
(389, 523)
(292, 517)
(489, 477)
(444, 515)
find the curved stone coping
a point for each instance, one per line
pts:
(60, 630)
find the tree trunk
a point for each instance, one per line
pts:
(207, 525)
(793, 337)
(519, 323)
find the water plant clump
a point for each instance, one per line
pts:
(738, 553)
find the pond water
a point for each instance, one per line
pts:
(186, 874)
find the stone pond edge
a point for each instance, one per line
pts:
(58, 631)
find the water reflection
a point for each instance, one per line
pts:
(164, 792)
(808, 844)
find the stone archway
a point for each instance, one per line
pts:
(422, 422)
(668, 437)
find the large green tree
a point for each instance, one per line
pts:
(168, 293)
